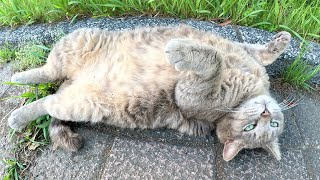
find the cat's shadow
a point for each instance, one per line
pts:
(160, 135)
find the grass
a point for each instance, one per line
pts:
(36, 134)
(300, 17)
(13, 167)
(7, 54)
(29, 56)
(299, 73)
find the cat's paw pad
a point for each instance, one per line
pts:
(178, 53)
(16, 120)
(175, 50)
(279, 42)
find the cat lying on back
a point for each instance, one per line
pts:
(175, 77)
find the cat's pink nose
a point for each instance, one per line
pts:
(265, 113)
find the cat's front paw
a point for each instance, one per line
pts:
(279, 42)
(16, 120)
(177, 53)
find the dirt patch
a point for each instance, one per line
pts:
(286, 90)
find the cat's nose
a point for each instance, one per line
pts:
(265, 113)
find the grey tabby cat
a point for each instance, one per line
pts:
(175, 77)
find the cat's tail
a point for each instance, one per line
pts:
(62, 136)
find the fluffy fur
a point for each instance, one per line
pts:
(175, 77)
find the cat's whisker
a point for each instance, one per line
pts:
(293, 104)
(253, 114)
(225, 110)
(287, 100)
(284, 106)
(290, 98)
(250, 112)
(251, 109)
(276, 110)
(290, 106)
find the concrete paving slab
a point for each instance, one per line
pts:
(161, 135)
(131, 159)
(291, 137)
(258, 164)
(313, 159)
(85, 164)
(307, 117)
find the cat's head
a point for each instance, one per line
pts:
(256, 123)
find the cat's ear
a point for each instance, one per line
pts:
(274, 148)
(231, 149)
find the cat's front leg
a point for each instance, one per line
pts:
(187, 55)
(269, 52)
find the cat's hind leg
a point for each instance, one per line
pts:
(72, 103)
(33, 76)
(60, 134)
(21, 117)
(50, 72)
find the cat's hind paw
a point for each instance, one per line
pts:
(279, 42)
(19, 78)
(16, 120)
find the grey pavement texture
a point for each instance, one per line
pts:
(48, 33)
(113, 153)
(6, 106)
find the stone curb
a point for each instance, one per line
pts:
(47, 33)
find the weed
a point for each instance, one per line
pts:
(36, 134)
(299, 73)
(29, 56)
(12, 169)
(7, 54)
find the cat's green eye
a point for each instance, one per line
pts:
(249, 127)
(274, 124)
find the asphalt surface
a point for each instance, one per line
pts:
(113, 153)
